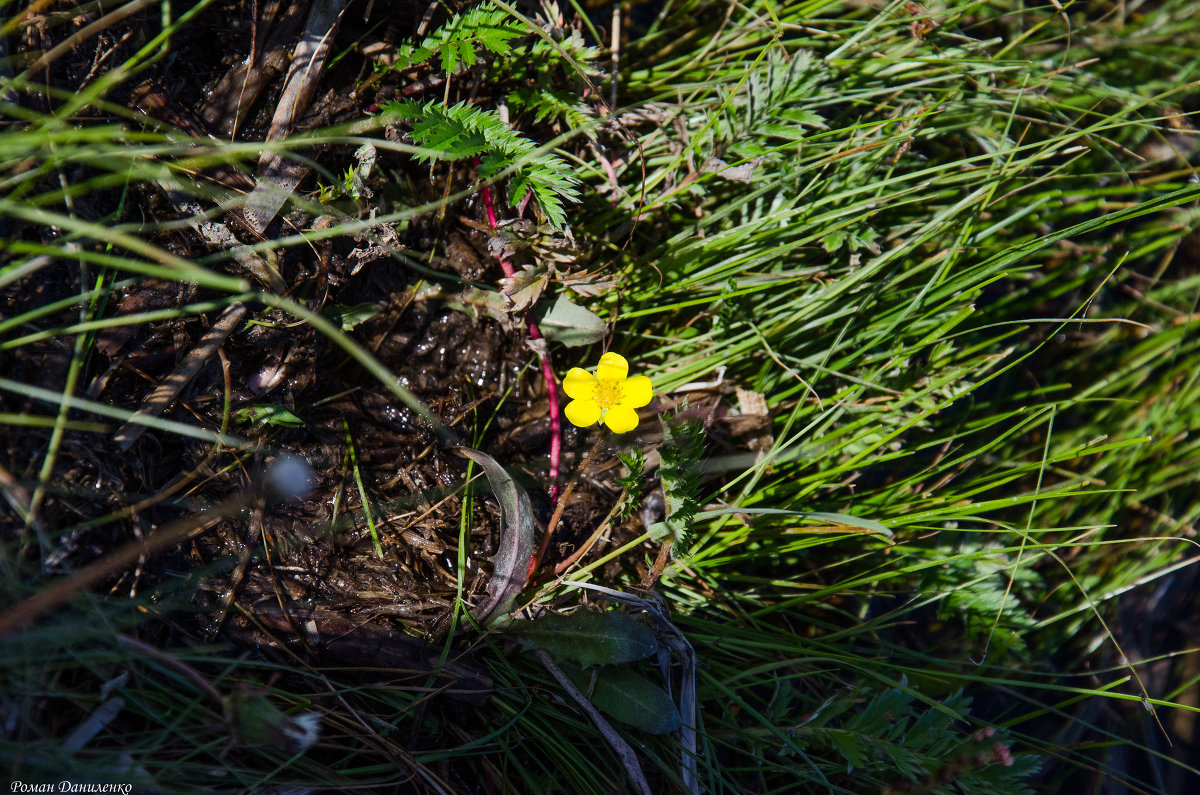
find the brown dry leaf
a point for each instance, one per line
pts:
(589, 285)
(522, 289)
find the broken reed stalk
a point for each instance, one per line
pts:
(543, 354)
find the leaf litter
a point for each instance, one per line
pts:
(301, 579)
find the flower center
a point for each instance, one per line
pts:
(607, 394)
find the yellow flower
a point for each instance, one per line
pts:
(609, 396)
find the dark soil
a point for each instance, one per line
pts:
(270, 569)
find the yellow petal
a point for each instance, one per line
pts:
(620, 419)
(579, 384)
(582, 413)
(613, 367)
(636, 392)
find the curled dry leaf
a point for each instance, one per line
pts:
(524, 287)
(511, 562)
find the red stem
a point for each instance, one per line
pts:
(555, 421)
(547, 369)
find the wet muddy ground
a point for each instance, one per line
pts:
(302, 574)
(271, 570)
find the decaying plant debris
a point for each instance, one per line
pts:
(286, 290)
(303, 577)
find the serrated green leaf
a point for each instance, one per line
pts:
(658, 531)
(682, 447)
(851, 746)
(454, 43)
(455, 132)
(887, 709)
(588, 638)
(833, 240)
(571, 324)
(625, 695)
(633, 481)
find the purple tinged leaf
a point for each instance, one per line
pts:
(511, 562)
(523, 288)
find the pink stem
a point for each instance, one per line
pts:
(555, 422)
(547, 369)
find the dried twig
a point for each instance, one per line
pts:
(165, 393)
(556, 517)
(586, 546)
(669, 636)
(83, 34)
(156, 102)
(278, 176)
(18, 615)
(226, 107)
(624, 750)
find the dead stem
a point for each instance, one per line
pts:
(660, 563)
(623, 749)
(586, 547)
(174, 533)
(561, 505)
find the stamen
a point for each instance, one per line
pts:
(607, 394)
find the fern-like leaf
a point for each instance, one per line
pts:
(459, 131)
(549, 104)
(682, 448)
(456, 43)
(633, 482)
